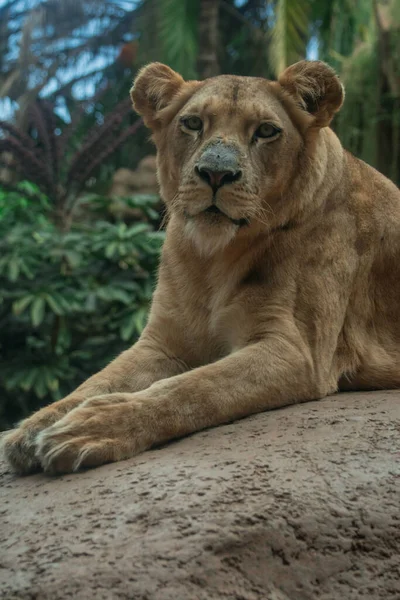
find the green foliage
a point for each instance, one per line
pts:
(69, 302)
(289, 34)
(167, 31)
(358, 119)
(365, 49)
(178, 34)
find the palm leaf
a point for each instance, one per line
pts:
(177, 29)
(289, 33)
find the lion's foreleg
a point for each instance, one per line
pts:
(111, 427)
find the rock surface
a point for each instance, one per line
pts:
(299, 503)
(143, 180)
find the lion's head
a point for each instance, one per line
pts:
(230, 147)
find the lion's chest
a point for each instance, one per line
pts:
(228, 322)
(223, 326)
(225, 310)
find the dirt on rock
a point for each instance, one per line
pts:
(301, 503)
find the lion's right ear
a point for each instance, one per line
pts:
(153, 89)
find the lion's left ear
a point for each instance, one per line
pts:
(316, 87)
(153, 89)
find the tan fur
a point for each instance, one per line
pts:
(302, 300)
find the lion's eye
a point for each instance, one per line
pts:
(266, 130)
(192, 123)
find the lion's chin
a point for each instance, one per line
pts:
(209, 236)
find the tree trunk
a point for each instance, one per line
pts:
(208, 39)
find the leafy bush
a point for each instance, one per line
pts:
(69, 301)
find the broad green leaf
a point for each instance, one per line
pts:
(40, 387)
(51, 381)
(37, 311)
(121, 296)
(54, 305)
(29, 187)
(128, 328)
(104, 294)
(20, 305)
(141, 319)
(66, 304)
(13, 380)
(73, 258)
(111, 249)
(13, 268)
(122, 249)
(29, 379)
(137, 228)
(91, 302)
(26, 270)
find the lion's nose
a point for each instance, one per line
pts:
(217, 179)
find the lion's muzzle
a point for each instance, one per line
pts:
(219, 165)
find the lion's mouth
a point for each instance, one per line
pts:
(214, 210)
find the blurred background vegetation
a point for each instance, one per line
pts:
(79, 212)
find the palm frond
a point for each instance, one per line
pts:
(358, 119)
(168, 33)
(178, 34)
(289, 33)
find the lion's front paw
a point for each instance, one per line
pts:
(19, 445)
(102, 430)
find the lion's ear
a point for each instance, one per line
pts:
(153, 89)
(316, 87)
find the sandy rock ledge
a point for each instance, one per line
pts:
(301, 503)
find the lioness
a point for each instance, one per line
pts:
(279, 280)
